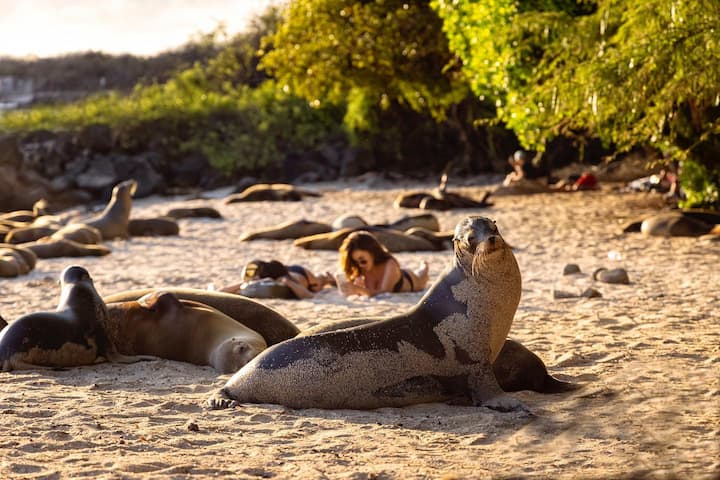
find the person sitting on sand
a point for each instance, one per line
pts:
(301, 282)
(370, 269)
(576, 183)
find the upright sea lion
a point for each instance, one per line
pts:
(264, 320)
(72, 335)
(394, 240)
(516, 367)
(271, 192)
(161, 325)
(113, 220)
(441, 349)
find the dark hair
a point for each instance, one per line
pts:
(361, 240)
(257, 269)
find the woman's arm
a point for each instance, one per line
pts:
(299, 290)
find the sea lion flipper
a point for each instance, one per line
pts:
(116, 357)
(553, 385)
(485, 391)
(221, 399)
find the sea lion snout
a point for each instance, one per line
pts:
(474, 231)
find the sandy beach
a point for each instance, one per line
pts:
(647, 353)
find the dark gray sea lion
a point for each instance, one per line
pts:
(287, 230)
(72, 335)
(161, 325)
(440, 199)
(516, 367)
(153, 227)
(271, 192)
(394, 240)
(440, 350)
(264, 320)
(193, 212)
(113, 220)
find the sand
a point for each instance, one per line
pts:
(648, 354)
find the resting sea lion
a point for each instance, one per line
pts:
(264, 320)
(516, 367)
(3, 323)
(29, 234)
(153, 227)
(78, 232)
(15, 261)
(675, 225)
(287, 230)
(394, 240)
(72, 335)
(160, 325)
(194, 212)
(271, 192)
(113, 221)
(49, 248)
(441, 349)
(427, 221)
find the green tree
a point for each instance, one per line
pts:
(629, 72)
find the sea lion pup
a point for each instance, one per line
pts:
(50, 248)
(264, 320)
(516, 367)
(287, 230)
(441, 349)
(193, 212)
(161, 325)
(72, 335)
(153, 227)
(394, 240)
(113, 220)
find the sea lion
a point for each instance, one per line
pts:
(516, 367)
(271, 192)
(29, 234)
(78, 232)
(440, 199)
(3, 323)
(49, 248)
(161, 325)
(264, 320)
(113, 220)
(72, 335)
(16, 261)
(153, 227)
(441, 349)
(193, 212)
(349, 220)
(394, 240)
(427, 221)
(287, 230)
(675, 225)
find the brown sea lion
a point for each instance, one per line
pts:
(394, 240)
(16, 261)
(49, 248)
(271, 192)
(440, 199)
(675, 224)
(78, 232)
(193, 212)
(153, 227)
(442, 349)
(287, 230)
(264, 320)
(29, 234)
(161, 325)
(113, 220)
(72, 335)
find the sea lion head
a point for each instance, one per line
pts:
(232, 354)
(126, 188)
(476, 241)
(74, 274)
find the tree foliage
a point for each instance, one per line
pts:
(630, 72)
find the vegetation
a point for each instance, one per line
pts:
(629, 72)
(422, 82)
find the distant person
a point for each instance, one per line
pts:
(523, 168)
(300, 281)
(370, 269)
(576, 183)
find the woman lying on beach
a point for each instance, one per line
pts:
(273, 279)
(370, 269)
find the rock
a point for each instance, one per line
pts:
(571, 268)
(96, 138)
(100, 175)
(616, 275)
(188, 171)
(140, 169)
(591, 293)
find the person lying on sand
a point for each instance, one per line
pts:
(300, 281)
(370, 269)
